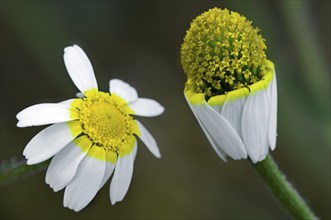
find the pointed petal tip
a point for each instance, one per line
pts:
(157, 153)
(35, 159)
(18, 115)
(19, 124)
(30, 161)
(27, 154)
(73, 208)
(54, 188)
(114, 200)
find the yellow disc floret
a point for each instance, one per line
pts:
(106, 120)
(222, 52)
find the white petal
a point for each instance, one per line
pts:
(146, 107)
(80, 95)
(48, 142)
(220, 131)
(122, 177)
(134, 152)
(67, 102)
(148, 140)
(111, 158)
(255, 123)
(123, 90)
(79, 68)
(64, 164)
(273, 114)
(42, 114)
(213, 143)
(233, 106)
(110, 167)
(86, 183)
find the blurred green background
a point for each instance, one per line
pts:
(139, 42)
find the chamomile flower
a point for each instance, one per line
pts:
(231, 85)
(92, 137)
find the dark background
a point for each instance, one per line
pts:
(139, 42)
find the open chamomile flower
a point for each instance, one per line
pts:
(92, 136)
(231, 85)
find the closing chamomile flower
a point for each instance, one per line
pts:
(231, 85)
(92, 136)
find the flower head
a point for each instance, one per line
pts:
(231, 86)
(90, 135)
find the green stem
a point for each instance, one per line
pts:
(12, 170)
(283, 190)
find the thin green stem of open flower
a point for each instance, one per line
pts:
(284, 191)
(13, 169)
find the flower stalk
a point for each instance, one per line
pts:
(14, 169)
(282, 189)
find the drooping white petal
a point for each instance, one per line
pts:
(134, 152)
(48, 142)
(233, 106)
(123, 90)
(218, 128)
(273, 114)
(47, 113)
(110, 167)
(146, 107)
(148, 140)
(213, 143)
(64, 164)
(255, 122)
(111, 158)
(220, 131)
(79, 68)
(86, 183)
(122, 177)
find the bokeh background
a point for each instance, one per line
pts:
(139, 42)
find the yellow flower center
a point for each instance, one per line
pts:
(222, 52)
(106, 119)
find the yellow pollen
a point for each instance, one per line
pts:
(222, 52)
(106, 119)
